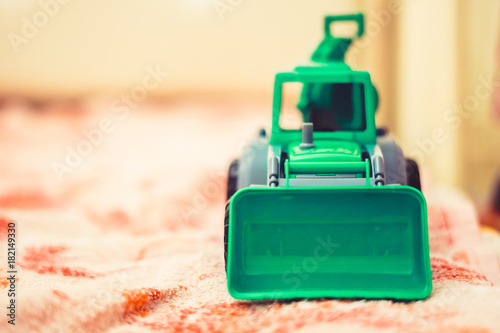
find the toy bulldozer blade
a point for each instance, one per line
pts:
(328, 242)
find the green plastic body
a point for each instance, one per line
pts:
(326, 151)
(328, 66)
(317, 75)
(328, 241)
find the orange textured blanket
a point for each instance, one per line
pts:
(119, 228)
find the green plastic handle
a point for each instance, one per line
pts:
(358, 18)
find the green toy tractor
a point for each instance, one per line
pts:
(331, 207)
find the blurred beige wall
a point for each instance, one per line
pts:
(94, 45)
(478, 61)
(427, 84)
(444, 90)
(426, 57)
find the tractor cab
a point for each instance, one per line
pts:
(335, 104)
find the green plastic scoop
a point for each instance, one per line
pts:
(328, 242)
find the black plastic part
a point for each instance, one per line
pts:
(232, 179)
(262, 133)
(366, 156)
(337, 112)
(284, 157)
(226, 233)
(412, 174)
(232, 187)
(381, 131)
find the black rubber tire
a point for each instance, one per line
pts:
(412, 174)
(232, 187)
(232, 179)
(226, 233)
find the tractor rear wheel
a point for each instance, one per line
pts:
(232, 187)
(232, 179)
(394, 160)
(412, 174)
(226, 233)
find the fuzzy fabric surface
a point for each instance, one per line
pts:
(119, 228)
